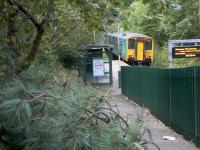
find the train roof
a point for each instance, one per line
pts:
(97, 46)
(127, 35)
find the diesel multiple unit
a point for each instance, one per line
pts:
(134, 48)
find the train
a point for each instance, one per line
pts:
(134, 48)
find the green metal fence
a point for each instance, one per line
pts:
(197, 104)
(172, 95)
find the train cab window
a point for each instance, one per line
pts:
(148, 44)
(131, 44)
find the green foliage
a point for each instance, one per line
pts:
(149, 18)
(38, 116)
(164, 20)
(134, 17)
(185, 22)
(161, 57)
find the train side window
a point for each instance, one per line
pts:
(131, 44)
(148, 44)
(115, 40)
(110, 39)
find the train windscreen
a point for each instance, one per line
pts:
(148, 44)
(131, 44)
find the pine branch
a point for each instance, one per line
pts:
(77, 114)
(37, 97)
(29, 93)
(35, 119)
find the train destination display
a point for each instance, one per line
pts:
(186, 52)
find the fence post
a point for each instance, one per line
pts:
(170, 100)
(195, 104)
(110, 65)
(119, 79)
(154, 91)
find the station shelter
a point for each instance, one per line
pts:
(98, 64)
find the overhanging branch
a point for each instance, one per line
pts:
(62, 36)
(25, 12)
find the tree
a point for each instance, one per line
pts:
(29, 20)
(164, 20)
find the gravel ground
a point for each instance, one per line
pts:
(157, 128)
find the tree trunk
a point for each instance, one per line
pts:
(38, 37)
(34, 49)
(12, 29)
(36, 43)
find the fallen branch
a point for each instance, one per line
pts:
(37, 97)
(117, 115)
(29, 93)
(105, 119)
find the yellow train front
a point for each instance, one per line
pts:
(134, 48)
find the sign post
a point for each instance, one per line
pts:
(118, 45)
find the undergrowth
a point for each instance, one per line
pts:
(51, 109)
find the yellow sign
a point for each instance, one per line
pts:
(186, 52)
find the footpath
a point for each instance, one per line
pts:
(157, 129)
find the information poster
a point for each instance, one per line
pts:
(98, 67)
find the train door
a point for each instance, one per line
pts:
(140, 50)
